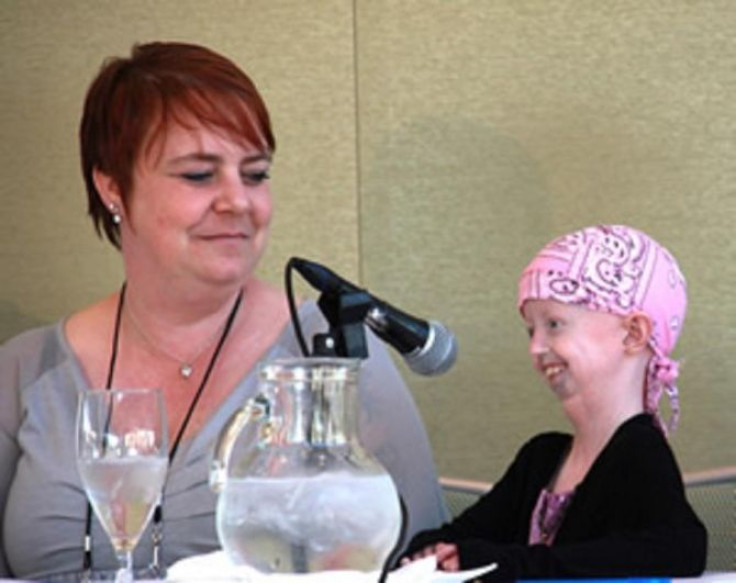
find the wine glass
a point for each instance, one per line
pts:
(122, 457)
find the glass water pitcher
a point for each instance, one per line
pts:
(297, 492)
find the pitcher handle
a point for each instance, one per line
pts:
(254, 410)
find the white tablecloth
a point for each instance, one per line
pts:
(429, 577)
(216, 567)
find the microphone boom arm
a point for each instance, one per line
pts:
(428, 347)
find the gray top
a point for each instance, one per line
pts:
(43, 504)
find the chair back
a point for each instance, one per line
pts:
(460, 494)
(712, 494)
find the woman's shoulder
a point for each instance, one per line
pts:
(38, 341)
(84, 329)
(26, 356)
(31, 354)
(29, 337)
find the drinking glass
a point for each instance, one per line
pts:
(122, 457)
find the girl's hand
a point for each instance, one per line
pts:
(448, 558)
(446, 555)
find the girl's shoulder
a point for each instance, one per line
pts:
(544, 449)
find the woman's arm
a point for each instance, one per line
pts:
(9, 451)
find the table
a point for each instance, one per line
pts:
(707, 578)
(729, 577)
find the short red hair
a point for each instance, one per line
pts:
(132, 101)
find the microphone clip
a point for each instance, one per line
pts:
(345, 312)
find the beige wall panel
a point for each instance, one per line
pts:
(483, 130)
(299, 54)
(486, 129)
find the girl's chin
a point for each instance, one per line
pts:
(562, 391)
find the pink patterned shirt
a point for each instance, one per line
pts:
(548, 515)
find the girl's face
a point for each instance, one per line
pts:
(573, 348)
(200, 207)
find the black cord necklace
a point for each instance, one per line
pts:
(157, 534)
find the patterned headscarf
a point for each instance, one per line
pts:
(619, 270)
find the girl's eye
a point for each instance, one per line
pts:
(554, 324)
(197, 176)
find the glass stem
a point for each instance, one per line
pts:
(125, 572)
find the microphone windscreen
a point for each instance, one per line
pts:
(438, 353)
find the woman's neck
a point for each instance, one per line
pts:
(182, 325)
(172, 306)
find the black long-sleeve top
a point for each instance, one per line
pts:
(629, 516)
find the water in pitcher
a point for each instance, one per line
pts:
(328, 522)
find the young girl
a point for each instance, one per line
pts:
(604, 307)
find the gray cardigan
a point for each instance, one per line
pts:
(43, 505)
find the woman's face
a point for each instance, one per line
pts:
(200, 207)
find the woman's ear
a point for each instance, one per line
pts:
(638, 331)
(108, 190)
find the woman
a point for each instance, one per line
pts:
(176, 150)
(604, 307)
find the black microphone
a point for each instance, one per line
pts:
(428, 348)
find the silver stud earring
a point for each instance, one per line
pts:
(116, 218)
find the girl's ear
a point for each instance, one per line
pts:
(638, 331)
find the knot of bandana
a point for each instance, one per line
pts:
(661, 376)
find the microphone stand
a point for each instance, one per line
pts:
(345, 313)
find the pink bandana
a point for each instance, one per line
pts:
(619, 270)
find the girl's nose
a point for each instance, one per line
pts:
(537, 343)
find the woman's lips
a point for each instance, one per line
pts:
(224, 236)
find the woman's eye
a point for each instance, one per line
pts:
(197, 176)
(255, 177)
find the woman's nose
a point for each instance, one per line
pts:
(234, 196)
